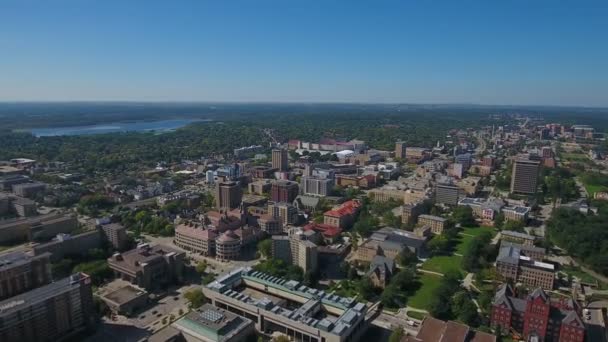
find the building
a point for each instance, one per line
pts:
(513, 265)
(228, 195)
(517, 237)
(381, 270)
(447, 194)
(312, 185)
(435, 330)
(125, 300)
(24, 207)
(284, 191)
(148, 266)
(524, 179)
(28, 190)
(329, 233)
(410, 213)
(484, 209)
(516, 213)
(400, 149)
(288, 307)
(270, 225)
(533, 252)
(417, 154)
(116, 234)
(285, 212)
(42, 227)
(211, 324)
(363, 182)
(343, 216)
(466, 160)
(260, 187)
(65, 244)
(54, 312)
(489, 161)
(7, 182)
(228, 246)
(390, 242)
(20, 272)
(262, 172)
(195, 238)
(436, 223)
(536, 317)
(279, 159)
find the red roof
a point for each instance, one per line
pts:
(325, 229)
(347, 208)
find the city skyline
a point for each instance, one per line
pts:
(442, 53)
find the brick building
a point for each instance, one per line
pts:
(536, 317)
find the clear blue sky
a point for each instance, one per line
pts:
(485, 52)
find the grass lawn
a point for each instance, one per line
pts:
(592, 188)
(583, 276)
(575, 156)
(416, 315)
(475, 231)
(463, 244)
(442, 264)
(421, 299)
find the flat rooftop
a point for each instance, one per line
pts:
(124, 294)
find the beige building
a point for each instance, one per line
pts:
(517, 237)
(410, 213)
(195, 238)
(512, 265)
(436, 223)
(285, 212)
(400, 149)
(20, 272)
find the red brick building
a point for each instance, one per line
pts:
(284, 191)
(537, 316)
(343, 216)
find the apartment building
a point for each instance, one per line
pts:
(285, 212)
(28, 190)
(524, 179)
(53, 312)
(279, 159)
(312, 185)
(448, 194)
(517, 237)
(284, 191)
(116, 234)
(228, 195)
(400, 149)
(20, 272)
(410, 213)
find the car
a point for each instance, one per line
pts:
(142, 316)
(154, 312)
(176, 298)
(159, 315)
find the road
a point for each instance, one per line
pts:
(390, 322)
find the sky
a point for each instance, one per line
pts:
(458, 51)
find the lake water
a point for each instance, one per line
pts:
(143, 126)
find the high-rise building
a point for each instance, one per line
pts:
(279, 159)
(20, 272)
(447, 194)
(400, 149)
(285, 212)
(116, 234)
(296, 249)
(316, 185)
(284, 191)
(228, 195)
(465, 160)
(53, 312)
(524, 179)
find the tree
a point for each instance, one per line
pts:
(281, 338)
(499, 220)
(201, 266)
(438, 245)
(265, 248)
(396, 335)
(407, 258)
(464, 216)
(196, 297)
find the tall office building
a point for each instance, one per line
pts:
(285, 212)
(228, 195)
(279, 159)
(54, 312)
(20, 272)
(447, 194)
(316, 185)
(400, 149)
(524, 179)
(284, 191)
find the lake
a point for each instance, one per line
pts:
(142, 126)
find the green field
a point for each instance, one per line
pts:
(443, 264)
(416, 315)
(592, 189)
(421, 299)
(475, 231)
(583, 276)
(576, 157)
